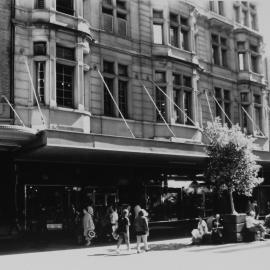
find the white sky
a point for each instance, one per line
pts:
(264, 22)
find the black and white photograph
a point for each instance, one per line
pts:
(134, 134)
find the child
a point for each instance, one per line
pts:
(123, 230)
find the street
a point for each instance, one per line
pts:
(166, 254)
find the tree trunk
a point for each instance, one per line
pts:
(232, 203)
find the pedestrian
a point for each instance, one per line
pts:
(141, 230)
(200, 234)
(88, 225)
(123, 230)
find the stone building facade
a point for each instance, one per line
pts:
(115, 94)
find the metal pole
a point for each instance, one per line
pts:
(11, 107)
(25, 207)
(34, 91)
(212, 118)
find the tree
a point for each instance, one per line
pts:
(232, 165)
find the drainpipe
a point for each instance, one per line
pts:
(12, 51)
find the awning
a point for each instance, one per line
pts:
(74, 147)
(14, 137)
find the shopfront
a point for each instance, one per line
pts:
(67, 171)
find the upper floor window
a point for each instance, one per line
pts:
(40, 81)
(160, 78)
(257, 114)
(40, 4)
(212, 5)
(182, 96)
(65, 53)
(236, 9)
(116, 78)
(40, 48)
(219, 50)
(65, 6)
(241, 56)
(158, 27)
(179, 31)
(221, 8)
(115, 16)
(223, 98)
(254, 58)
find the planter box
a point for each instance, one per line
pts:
(235, 219)
(234, 226)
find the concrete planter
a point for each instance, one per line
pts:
(234, 226)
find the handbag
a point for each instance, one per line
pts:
(91, 234)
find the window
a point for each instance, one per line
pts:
(174, 25)
(40, 48)
(158, 33)
(223, 97)
(64, 85)
(121, 16)
(245, 103)
(158, 26)
(182, 28)
(116, 78)
(237, 13)
(254, 56)
(40, 81)
(40, 4)
(65, 6)
(245, 17)
(221, 8)
(253, 19)
(241, 55)
(114, 17)
(123, 89)
(107, 15)
(65, 53)
(257, 113)
(219, 50)
(160, 78)
(212, 5)
(182, 95)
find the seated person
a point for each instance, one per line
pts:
(200, 234)
(254, 225)
(217, 229)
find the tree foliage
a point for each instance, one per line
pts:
(232, 165)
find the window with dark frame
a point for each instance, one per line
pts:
(223, 97)
(160, 79)
(64, 85)
(40, 48)
(65, 53)
(219, 50)
(112, 76)
(65, 6)
(257, 113)
(123, 89)
(182, 95)
(237, 13)
(221, 8)
(40, 4)
(40, 81)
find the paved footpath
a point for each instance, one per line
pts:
(165, 255)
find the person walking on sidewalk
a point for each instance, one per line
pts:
(88, 224)
(123, 230)
(142, 230)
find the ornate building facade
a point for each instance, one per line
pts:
(114, 95)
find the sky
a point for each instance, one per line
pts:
(264, 22)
